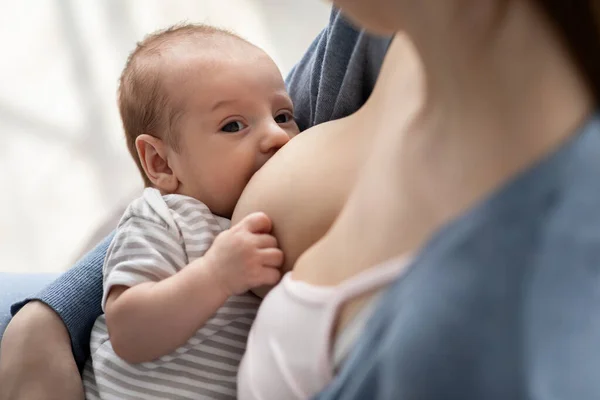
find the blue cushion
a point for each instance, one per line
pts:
(15, 287)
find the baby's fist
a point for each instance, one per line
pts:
(246, 255)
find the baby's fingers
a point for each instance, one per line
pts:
(271, 257)
(268, 276)
(257, 222)
(265, 241)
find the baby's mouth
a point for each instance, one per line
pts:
(261, 162)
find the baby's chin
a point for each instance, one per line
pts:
(224, 208)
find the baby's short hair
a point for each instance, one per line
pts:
(143, 100)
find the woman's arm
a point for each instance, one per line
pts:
(36, 360)
(47, 342)
(76, 296)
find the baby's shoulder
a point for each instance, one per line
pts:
(189, 212)
(173, 212)
(150, 209)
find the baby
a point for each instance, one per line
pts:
(202, 111)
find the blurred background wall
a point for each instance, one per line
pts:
(65, 168)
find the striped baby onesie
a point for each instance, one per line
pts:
(156, 237)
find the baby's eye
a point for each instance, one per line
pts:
(233, 127)
(283, 117)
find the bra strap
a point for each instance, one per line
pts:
(371, 278)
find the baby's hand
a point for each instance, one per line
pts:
(246, 255)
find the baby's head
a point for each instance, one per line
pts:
(202, 111)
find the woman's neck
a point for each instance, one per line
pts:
(507, 76)
(496, 95)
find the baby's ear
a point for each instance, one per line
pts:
(152, 153)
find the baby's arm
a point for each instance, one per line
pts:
(152, 319)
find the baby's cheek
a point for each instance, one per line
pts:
(229, 191)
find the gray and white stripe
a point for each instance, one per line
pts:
(157, 237)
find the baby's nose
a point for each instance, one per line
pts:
(273, 138)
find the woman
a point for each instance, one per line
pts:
(490, 185)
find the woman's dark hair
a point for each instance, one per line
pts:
(578, 22)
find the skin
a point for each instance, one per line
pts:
(476, 122)
(48, 372)
(234, 114)
(310, 178)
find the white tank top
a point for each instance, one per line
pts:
(289, 354)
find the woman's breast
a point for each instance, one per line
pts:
(303, 187)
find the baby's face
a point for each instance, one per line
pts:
(235, 114)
